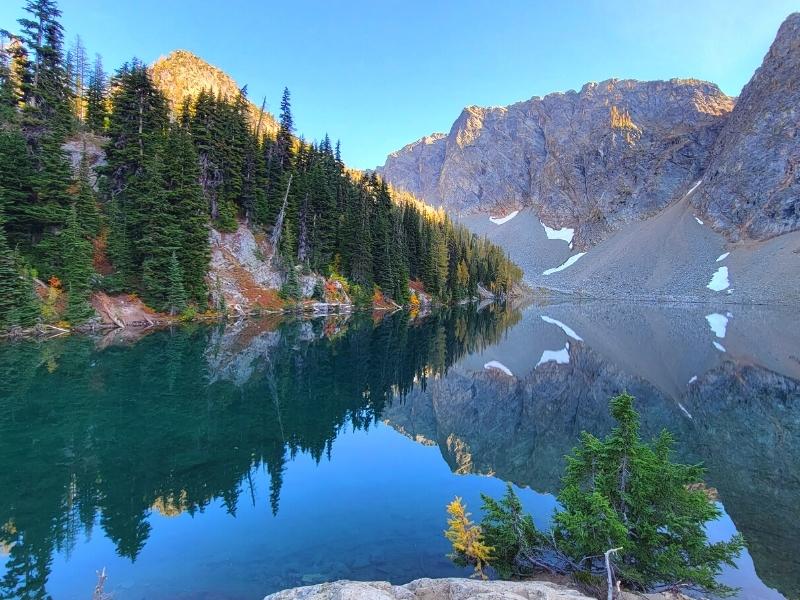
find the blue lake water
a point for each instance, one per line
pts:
(230, 462)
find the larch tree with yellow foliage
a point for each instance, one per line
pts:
(468, 547)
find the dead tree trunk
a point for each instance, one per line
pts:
(610, 572)
(277, 230)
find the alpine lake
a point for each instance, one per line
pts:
(232, 461)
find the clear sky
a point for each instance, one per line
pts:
(381, 73)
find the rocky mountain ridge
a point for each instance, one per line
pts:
(673, 190)
(622, 150)
(593, 160)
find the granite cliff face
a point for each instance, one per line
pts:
(751, 188)
(593, 160)
(620, 151)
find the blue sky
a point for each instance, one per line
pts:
(381, 73)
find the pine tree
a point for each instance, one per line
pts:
(85, 201)
(183, 194)
(45, 89)
(96, 98)
(176, 295)
(18, 303)
(77, 270)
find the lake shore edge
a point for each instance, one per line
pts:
(450, 588)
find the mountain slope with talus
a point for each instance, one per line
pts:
(654, 181)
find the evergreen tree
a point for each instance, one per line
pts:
(85, 200)
(285, 130)
(176, 295)
(8, 93)
(624, 494)
(45, 88)
(291, 285)
(160, 235)
(18, 302)
(78, 67)
(77, 270)
(96, 98)
(136, 129)
(184, 197)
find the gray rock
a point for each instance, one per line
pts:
(751, 188)
(89, 145)
(616, 151)
(308, 283)
(431, 589)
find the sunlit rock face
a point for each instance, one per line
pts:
(621, 150)
(613, 152)
(751, 188)
(182, 75)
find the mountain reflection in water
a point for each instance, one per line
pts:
(255, 441)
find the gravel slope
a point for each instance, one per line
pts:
(669, 257)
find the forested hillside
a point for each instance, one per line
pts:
(139, 221)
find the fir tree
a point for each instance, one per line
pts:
(176, 295)
(184, 196)
(291, 285)
(77, 65)
(45, 88)
(618, 493)
(85, 200)
(160, 235)
(136, 129)
(622, 492)
(77, 270)
(18, 303)
(96, 98)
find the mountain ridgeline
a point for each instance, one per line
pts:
(620, 151)
(162, 155)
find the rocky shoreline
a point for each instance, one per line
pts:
(451, 588)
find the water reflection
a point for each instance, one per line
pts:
(737, 411)
(182, 418)
(113, 434)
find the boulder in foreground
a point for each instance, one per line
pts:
(431, 589)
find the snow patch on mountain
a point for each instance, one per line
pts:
(506, 219)
(570, 261)
(719, 281)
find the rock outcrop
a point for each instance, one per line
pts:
(241, 271)
(431, 589)
(181, 75)
(659, 181)
(751, 188)
(621, 150)
(614, 152)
